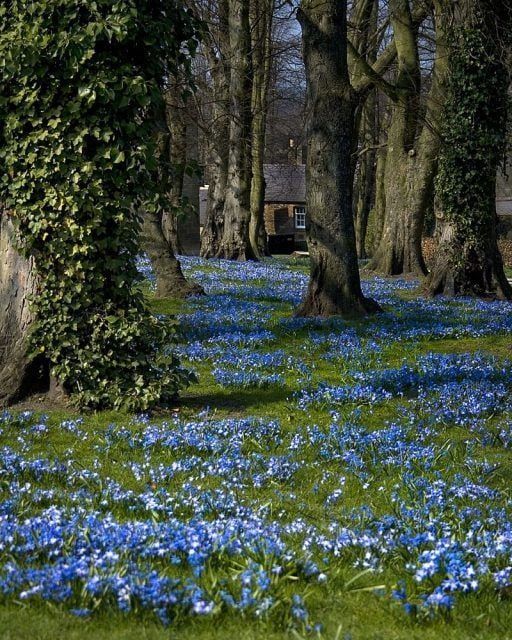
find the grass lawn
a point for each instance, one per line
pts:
(324, 479)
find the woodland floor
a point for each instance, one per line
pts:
(324, 479)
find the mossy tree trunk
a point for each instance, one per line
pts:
(378, 212)
(334, 286)
(368, 71)
(410, 160)
(468, 261)
(363, 35)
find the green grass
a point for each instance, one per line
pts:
(351, 616)
(348, 611)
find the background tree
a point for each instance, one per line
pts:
(159, 232)
(413, 143)
(235, 243)
(240, 55)
(214, 114)
(364, 36)
(77, 162)
(262, 14)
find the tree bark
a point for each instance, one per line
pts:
(235, 243)
(158, 234)
(411, 157)
(379, 209)
(262, 12)
(468, 261)
(334, 287)
(218, 56)
(464, 268)
(365, 185)
(20, 374)
(176, 122)
(363, 36)
(170, 281)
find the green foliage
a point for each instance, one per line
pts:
(78, 160)
(474, 132)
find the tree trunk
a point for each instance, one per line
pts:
(379, 209)
(411, 161)
(466, 268)
(218, 56)
(176, 125)
(407, 192)
(217, 175)
(261, 28)
(170, 281)
(468, 261)
(366, 176)
(20, 374)
(235, 244)
(155, 236)
(334, 287)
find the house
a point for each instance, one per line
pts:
(285, 207)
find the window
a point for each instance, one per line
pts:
(300, 217)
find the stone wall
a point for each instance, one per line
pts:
(429, 248)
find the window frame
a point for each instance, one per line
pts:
(299, 211)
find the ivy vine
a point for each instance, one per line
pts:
(78, 161)
(474, 134)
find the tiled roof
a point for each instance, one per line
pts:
(285, 183)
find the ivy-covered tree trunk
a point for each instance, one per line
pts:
(334, 286)
(235, 243)
(218, 56)
(18, 283)
(468, 261)
(74, 175)
(170, 281)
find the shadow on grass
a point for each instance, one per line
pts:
(236, 400)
